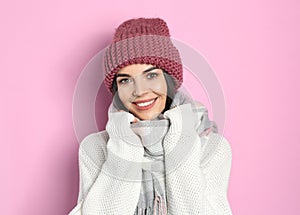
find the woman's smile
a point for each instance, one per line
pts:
(145, 104)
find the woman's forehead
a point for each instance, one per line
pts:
(136, 69)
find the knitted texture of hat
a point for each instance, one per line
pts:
(142, 41)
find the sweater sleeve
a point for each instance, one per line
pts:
(91, 156)
(216, 167)
(197, 168)
(109, 174)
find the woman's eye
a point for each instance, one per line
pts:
(152, 75)
(124, 81)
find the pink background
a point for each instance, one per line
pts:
(253, 47)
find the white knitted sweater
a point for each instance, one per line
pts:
(197, 170)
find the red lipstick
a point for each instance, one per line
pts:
(146, 107)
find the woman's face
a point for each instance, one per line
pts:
(142, 89)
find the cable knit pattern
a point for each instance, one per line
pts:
(197, 169)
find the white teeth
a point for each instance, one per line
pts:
(145, 103)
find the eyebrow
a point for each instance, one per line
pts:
(127, 75)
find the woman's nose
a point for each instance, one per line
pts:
(140, 87)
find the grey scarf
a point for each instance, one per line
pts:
(153, 199)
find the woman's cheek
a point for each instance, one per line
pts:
(160, 87)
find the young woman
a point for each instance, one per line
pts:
(159, 153)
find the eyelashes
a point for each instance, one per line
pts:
(149, 76)
(152, 75)
(124, 81)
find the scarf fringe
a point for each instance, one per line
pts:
(158, 208)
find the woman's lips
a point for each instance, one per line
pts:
(145, 104)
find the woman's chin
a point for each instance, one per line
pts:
(145, 116)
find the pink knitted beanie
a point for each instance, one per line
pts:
(142, 41)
